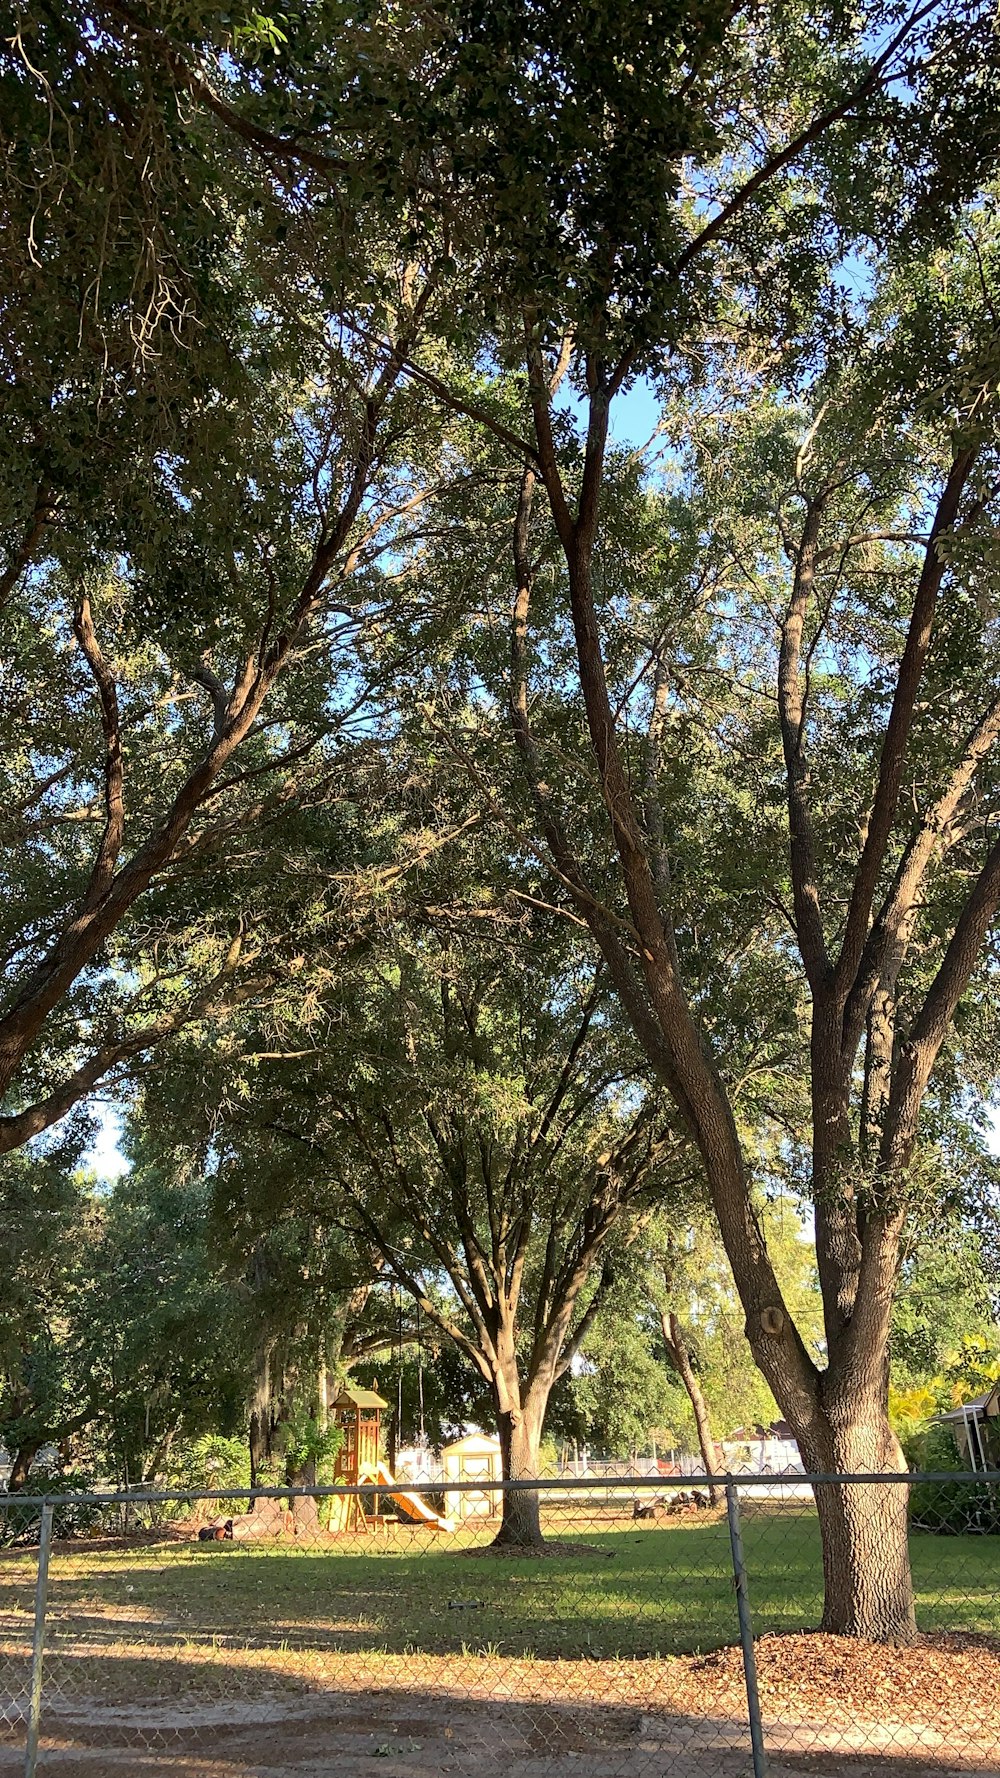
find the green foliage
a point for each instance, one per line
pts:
(309, 1446)
(209, 1462)
(47, 1214)
(70, 1518)
(943, 1325)
(625, 1399)
(218, 223)
(951, 1509)
(123, 1336)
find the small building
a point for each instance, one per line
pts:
(418, 1463)
(762, 1450)
(475, 1458)
(975, 1427)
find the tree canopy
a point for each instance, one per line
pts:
(369, 716)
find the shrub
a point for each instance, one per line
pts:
(21, 1513)
(949, 1509)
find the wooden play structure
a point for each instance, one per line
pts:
(358, 1412)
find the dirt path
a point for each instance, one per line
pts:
(395, 1735)
(211, 1710)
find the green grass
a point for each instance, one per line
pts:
(638, 1591)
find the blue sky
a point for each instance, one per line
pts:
(634, 414)
(104, 1154)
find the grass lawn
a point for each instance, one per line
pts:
(638, 1591)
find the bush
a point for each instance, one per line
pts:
(209, 1463)
(21, 1513)
(949, 1509)
(955, 1509)
(306, 1445)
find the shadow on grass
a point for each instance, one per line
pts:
(640, 1592)
(637, 1594)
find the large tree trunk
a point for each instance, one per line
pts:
(20, 1469)
(867, 1590)
(864, 1526)
(520, 1430)
(153, 1475)
(261, 1437)
(520, 1414)
(680, 1357)
(305, 1508)
(260, 1443)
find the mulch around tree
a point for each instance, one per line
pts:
(537, 1551)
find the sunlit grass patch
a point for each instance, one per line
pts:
(636, 1592)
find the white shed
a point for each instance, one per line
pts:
(975, 1427)
(475, 1458)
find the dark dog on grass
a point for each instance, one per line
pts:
(215, 1533)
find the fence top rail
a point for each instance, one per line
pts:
(526, 1485)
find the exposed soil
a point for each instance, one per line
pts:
(831, 1707)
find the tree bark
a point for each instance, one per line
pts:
(20, 1469)
(305, 1510)
(867, 1587)
(680, 1357)
(520, 1431)
(260, 1449)
(261, 1430)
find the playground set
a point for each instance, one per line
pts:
(358, 1412)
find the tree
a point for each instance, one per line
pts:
(771, 299)
(678, 1351)
(309, 1311)
(679, 192)
(470, 1116)
(512, 1151)
(690, 1289)
(160, 1328)
(944, 1303)
(122, 1338)
(297, 1310)
(621, 1400)
(862, 1147)
(831, 492)
(206, 461)
(45, 1391)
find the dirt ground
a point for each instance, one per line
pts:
(400, 1732)
(212, 1708)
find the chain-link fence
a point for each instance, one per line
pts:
(315, 1632)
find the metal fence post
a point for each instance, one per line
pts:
(746, 1631)
(38, 1641)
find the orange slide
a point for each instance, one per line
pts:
(413, 1505)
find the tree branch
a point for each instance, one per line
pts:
(893, 754)
(792, 712)
(24, 555)
(114, 799)
(919, 1051)
(21, 1126)
(889, 935)
(287, 149)
(799, 143)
